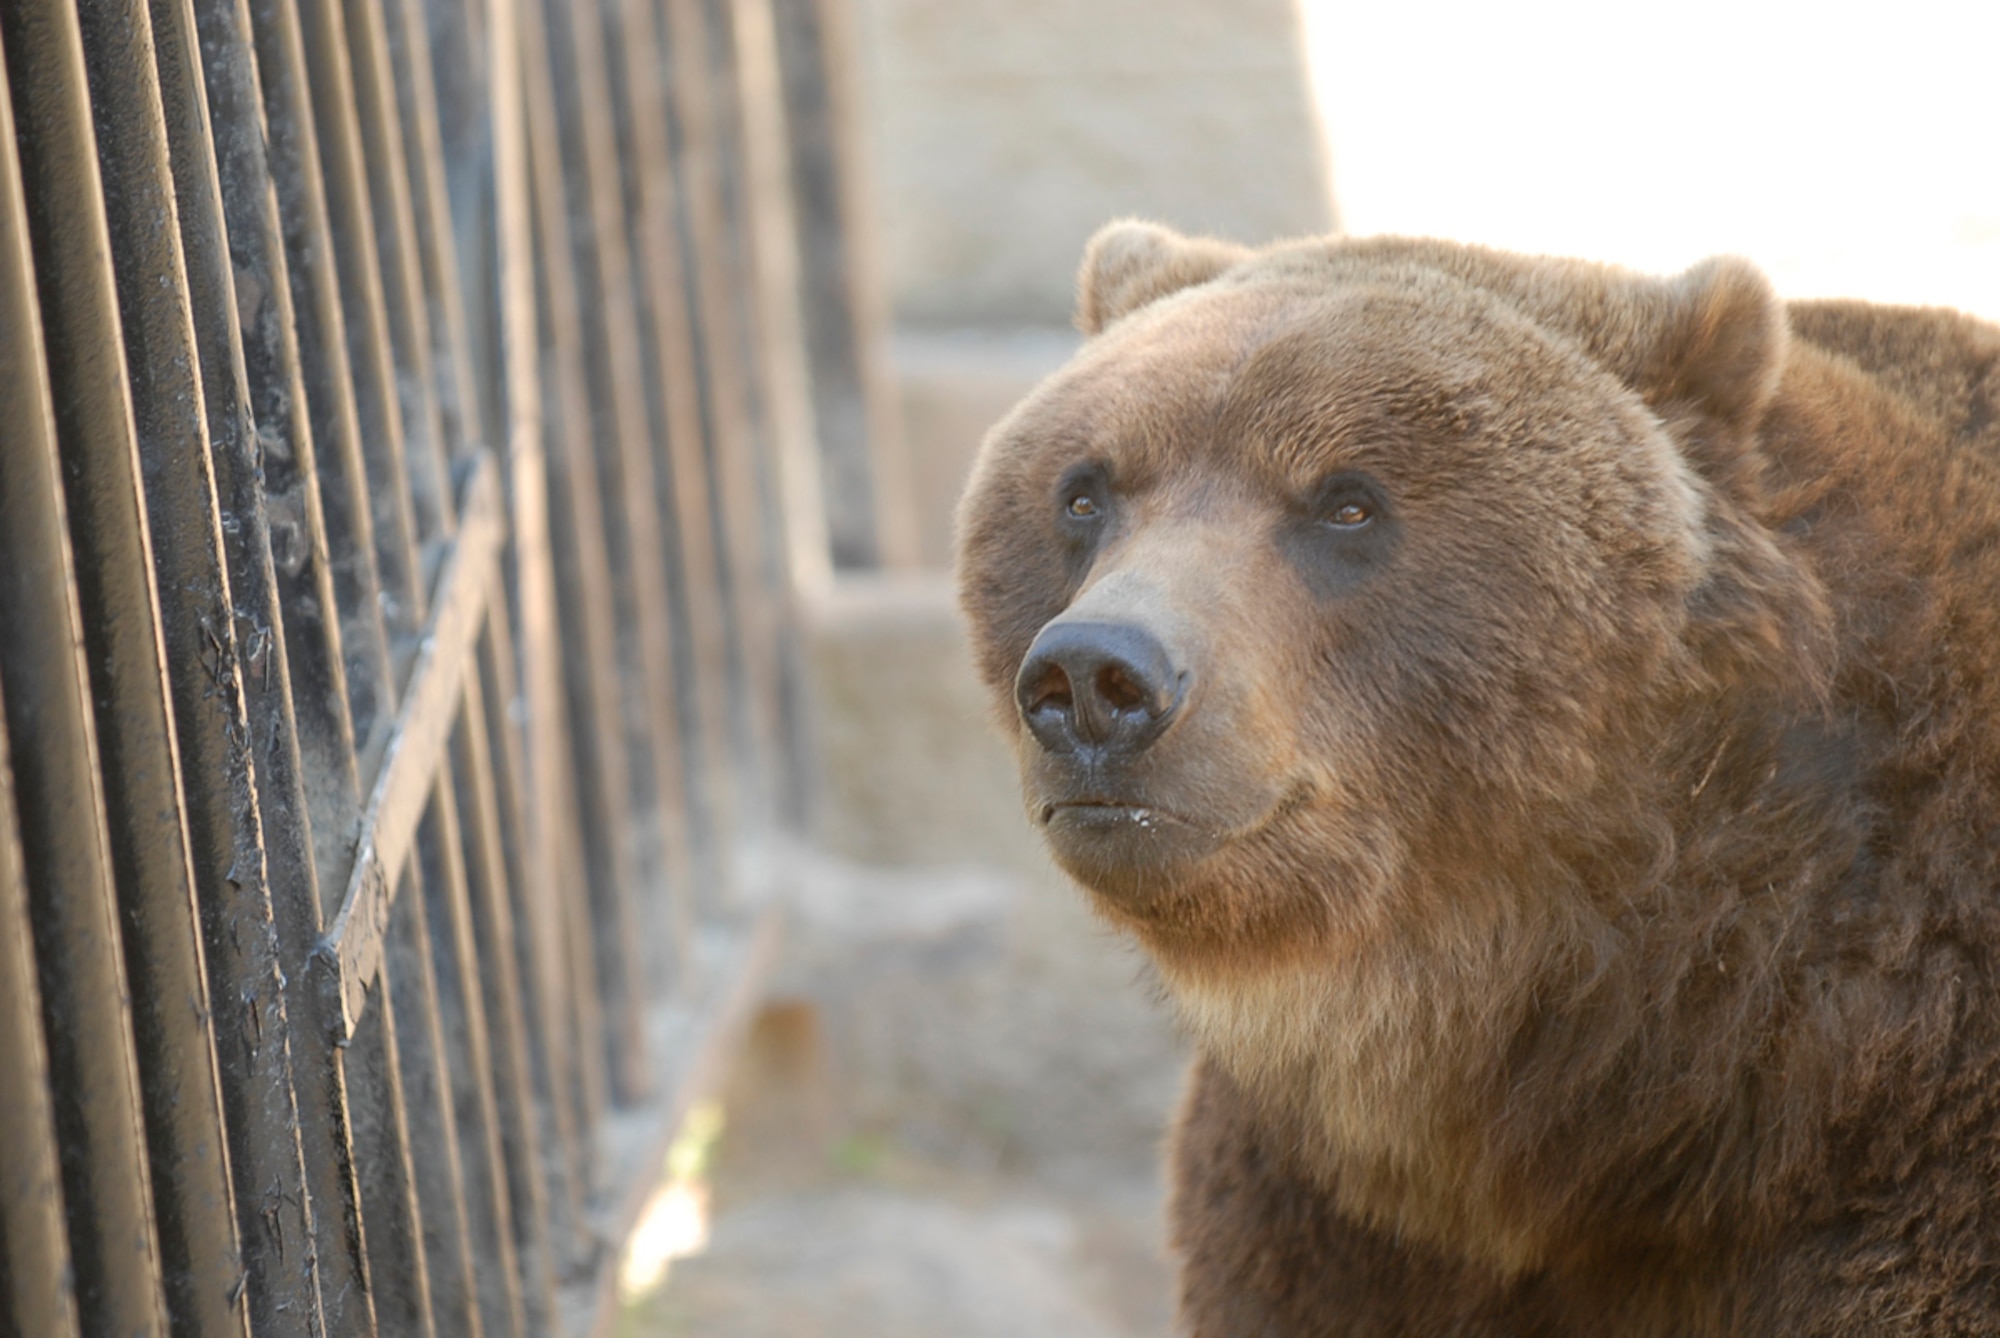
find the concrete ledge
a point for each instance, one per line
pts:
(910, 769)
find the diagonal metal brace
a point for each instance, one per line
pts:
(468, 577)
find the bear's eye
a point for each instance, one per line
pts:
(1085, 497)
(1346, 502)
(1351, 515)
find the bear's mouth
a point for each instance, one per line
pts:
(1108, 812)
(1103, 841)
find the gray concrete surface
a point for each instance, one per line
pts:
(1007, 131)
(955, 385)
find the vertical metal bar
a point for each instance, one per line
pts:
(701, 795)
(329, 413)
(592, 760)
(487, 927)
(593, 800)
(407, 42)
(369, 362)
(252, 812)
(697, 489)
(408, 988)
(208, 733)
(384, 188)
(468, 1050)
(784, 681)
(416, 1252)
(399, 1271)
(105, 423)
(463, 37)
(775, 229)
(611, 347)
(653, 720)
(530, 777)
(381, 302)
(493, 1095)
(535, 917)
(35, 1297)
(867, 508)
(731, 432)
(419, 274)
(49, 718)
(333, 497)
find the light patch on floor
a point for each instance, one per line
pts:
(675, 1221)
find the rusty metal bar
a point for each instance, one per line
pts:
(400, 1277)
(494, 1114)
(588, 773)
(36, 602)
(535, 919)
(410, 762)
(146, 855)
(466, 1048)
(406, 41)
(603, 273)
(701, 158)
(307, 411)
(384, 187)
(354, 86)
(178, 743)
(257, 810)
(644, 577)
(483, 927)
(329, 413)
(785, 310)
(410, 1004)
(534, 798)
(868, 513)
(699, 795)
(784, 705)
(368, 360)
(277, 487)
(465, 38)
(34, 1256)
(357, 423)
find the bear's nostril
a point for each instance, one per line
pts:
(1051, 690)
(1120, 693)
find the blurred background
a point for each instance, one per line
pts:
(946, 1117)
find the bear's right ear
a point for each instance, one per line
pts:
(1131, 263)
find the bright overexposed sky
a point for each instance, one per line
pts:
(1850, 150)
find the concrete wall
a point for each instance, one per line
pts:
(1006, 131)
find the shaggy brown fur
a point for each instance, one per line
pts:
(1576, 854)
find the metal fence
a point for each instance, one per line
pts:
(396, 476)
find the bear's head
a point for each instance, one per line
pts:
(1371, 619)
(1344, 587)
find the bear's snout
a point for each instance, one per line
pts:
(1110, 687)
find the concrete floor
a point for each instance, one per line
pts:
(944, 1124)
(910, 1251)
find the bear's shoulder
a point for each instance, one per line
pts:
(1942, 362)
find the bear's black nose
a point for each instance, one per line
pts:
(1106, 684)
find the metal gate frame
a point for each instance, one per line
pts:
(404, 489)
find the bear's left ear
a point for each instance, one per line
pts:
(1131, 263)
(1716, 344)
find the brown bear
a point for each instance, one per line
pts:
(1543, 724)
